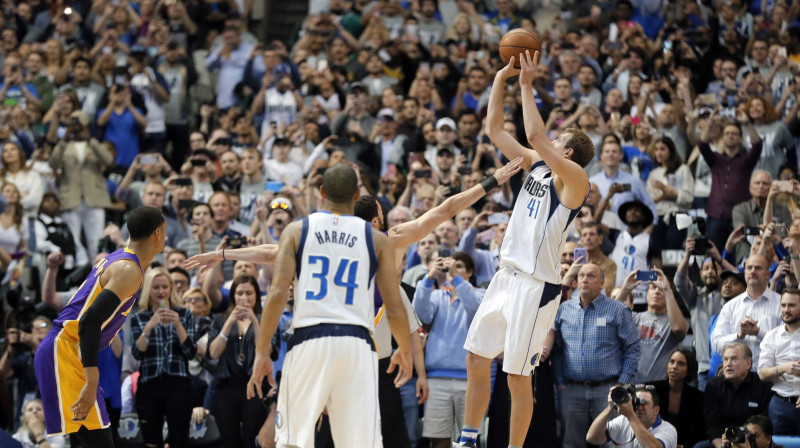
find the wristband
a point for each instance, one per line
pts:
(489, 183)
(223, 255)
(39, 441)
(224, 337)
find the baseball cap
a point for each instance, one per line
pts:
(354, 86)
(446, 121)
(387, 113)
(738, 275)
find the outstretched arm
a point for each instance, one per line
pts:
(570, 174)
(263, 254)
(401, 236)
(506, 142)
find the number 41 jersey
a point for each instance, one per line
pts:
(336, 266)
(538, 227)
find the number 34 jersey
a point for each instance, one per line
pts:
(336, 266)
(538, 228)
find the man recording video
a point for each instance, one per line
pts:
(638, 424)
(756, 433)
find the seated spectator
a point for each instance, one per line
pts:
(32, 434)
(734, 396)
(683, 404)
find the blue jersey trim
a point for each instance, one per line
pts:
(537, 164)
(373, 258)
(304, 334)
(554, 201)
(299, 254)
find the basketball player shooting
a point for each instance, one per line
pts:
(66, 361)
(520, 304)
(331, 361)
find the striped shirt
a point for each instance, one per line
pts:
(766, 310)
(595, 343)
(165, 355)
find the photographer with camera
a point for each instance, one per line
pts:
(756, 433)
(638, 424)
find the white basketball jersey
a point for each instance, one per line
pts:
(336, 266)
(538, 228)
(630, 254)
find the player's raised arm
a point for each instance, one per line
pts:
(405, 234)
(282, 279)
(122, 280)
(504, 141)
(388, 283)
(575, 180)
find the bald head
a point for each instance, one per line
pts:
(340, 183)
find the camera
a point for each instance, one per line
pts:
(701, 245)
(621, 395)
(739, 434)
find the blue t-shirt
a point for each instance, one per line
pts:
(15, 97)
(123, 132)
(110, 368)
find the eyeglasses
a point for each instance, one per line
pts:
(195, 299)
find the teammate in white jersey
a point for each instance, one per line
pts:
(331, 361)
(521, 302)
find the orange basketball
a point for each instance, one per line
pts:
(517, 41)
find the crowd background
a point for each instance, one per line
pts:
(199, 108)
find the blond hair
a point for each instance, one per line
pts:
(147, 285)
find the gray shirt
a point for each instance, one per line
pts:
(656, 344)
(701, 307)
(89, 96)
(248, 194)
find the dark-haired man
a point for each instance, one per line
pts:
(66, 362)
(529, 276)
(640, 422)
(89, 93)
(332, 352)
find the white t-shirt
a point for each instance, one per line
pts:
(620, 432)
(22, 436)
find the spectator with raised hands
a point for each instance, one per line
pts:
(28, 183)
(671, 186)
(32, 432)
(777, 144)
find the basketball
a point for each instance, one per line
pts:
(517, 41)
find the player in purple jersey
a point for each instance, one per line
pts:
(66, 361)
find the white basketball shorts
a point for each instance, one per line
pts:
(335, 367)
(514, 317)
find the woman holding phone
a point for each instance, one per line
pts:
(163, 334)
(233, 342)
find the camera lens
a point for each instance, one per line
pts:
(619, 395)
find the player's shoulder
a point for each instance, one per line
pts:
(125, 267)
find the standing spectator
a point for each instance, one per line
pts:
(703, 301)
(776, 141)
(751, 213)
(231, 177)
(615, 185)
(591, 238)
(28, 182)
(122, 122)
(596, 346)
(780, 362)
(89, 92)
(35, 75)
(154, 90)
(635, 249)
(13, 234)
(230, 59)
(252, 185)
(662, 327)
(431, 30)
(233, 342)
(279, 167)
(683, 404)
(671, 186)
(163, 335)
(14, 91)
(377, 79)
(472, 93)
(449, 309)
(727, 192)
(747, 318)
(277, 102)
(631, 66)
(733, 397)
(52, 234)
(81, 161)
(179, 75)
(202, 237)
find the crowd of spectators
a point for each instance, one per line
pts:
(184, 105)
